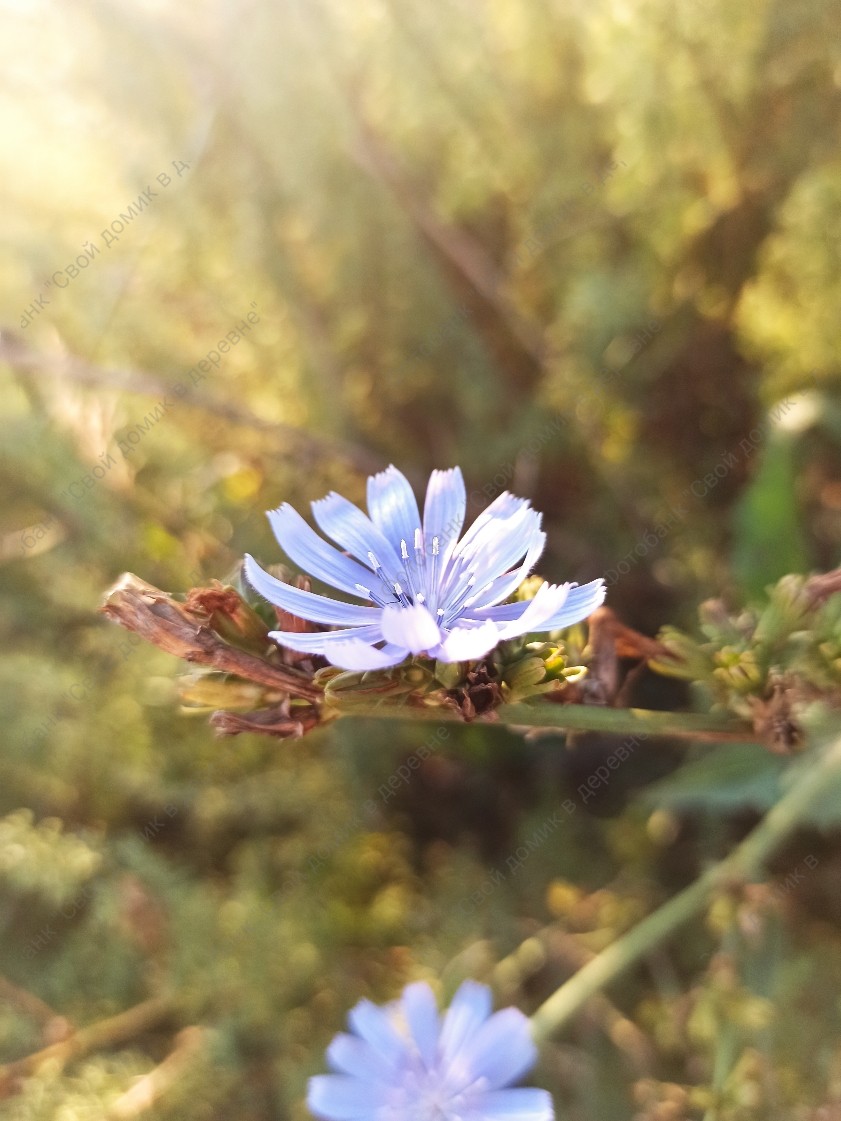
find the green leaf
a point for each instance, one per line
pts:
(739, 776)
(768, 541)
(730, 777)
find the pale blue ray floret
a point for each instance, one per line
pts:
(404, 1063)
(427, 590)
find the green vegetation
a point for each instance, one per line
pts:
(589, 253)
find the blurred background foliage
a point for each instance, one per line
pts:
(587, 251)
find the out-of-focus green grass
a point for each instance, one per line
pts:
(588, 253)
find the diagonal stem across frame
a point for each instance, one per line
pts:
(746, 861)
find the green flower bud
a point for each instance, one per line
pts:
(691, 662)
(449, 674)
(523, 674)
(210, 691)
(786, 612)
(737, 669)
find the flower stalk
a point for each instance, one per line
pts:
(580, 718)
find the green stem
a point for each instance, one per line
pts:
(590, 718)
(743, 863)
(625, 721)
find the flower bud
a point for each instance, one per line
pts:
(229, 615)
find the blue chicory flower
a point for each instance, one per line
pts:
(404, 1064)
(427, 589)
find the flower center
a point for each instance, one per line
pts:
(427, 1098)
(420, 580)
(416, 581)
